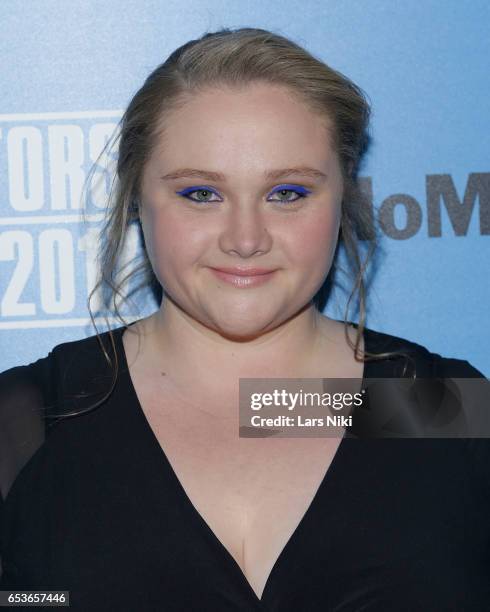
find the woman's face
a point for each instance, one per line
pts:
(220, 191)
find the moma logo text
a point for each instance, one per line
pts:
(442, 198)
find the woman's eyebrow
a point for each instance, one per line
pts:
(218, 176)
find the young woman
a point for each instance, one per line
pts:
(123, 478)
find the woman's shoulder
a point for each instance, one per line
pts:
(428, 363)
(69, 366)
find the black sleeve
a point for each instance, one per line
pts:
(478, 448)
(23, 394)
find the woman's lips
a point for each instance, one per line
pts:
(244, 278)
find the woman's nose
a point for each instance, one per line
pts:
(244, 231)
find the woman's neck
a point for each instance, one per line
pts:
(191, 352)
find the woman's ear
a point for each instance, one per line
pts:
(134, 210)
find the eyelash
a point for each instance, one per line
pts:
(301, 192)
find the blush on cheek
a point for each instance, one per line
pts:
(315, 246)
(320, 232)
(172, 246)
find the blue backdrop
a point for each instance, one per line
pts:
(69, 68)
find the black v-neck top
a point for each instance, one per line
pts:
(91, 504)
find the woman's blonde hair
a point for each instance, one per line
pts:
(236, 58)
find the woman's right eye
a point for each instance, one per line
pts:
(204, 194)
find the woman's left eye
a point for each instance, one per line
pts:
(301, 192)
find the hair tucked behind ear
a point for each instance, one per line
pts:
(236, 58)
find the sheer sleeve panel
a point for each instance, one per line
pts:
(24, 395)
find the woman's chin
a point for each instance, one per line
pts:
(242, 330)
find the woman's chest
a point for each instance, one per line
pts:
(251, 493)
